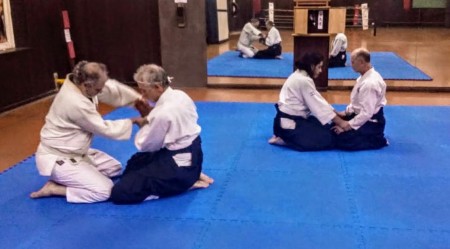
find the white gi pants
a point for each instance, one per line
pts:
(87, 178)
(247, 51)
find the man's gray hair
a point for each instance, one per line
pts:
(151, 74)
(86, 72)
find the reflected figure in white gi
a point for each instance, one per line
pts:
(338, 52)
(249, 34)
(64, 154)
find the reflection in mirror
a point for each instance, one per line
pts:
(6, 29)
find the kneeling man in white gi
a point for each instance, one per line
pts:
(77, 171)
(170, 158)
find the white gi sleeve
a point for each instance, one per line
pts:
(88, 118)
(151, 136)
(252, 31)
(117, 94)
(318, 106)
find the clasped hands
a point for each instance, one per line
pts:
(340, 124)
(144, 108)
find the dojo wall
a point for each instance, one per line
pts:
(122, 34)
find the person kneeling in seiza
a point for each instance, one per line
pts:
(273, 43)
(304, 118)
(364, 129)
(170, 158)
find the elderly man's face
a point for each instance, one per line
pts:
(151, 92)
(357, 63)
(91, 89)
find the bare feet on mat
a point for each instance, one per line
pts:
(49, 189)
(206, 178)
(203, 182)
(199, 184)
(279, 57)
(276, 140)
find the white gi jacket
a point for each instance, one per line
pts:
(299, 97)
(367, 97)
(73, 119)
(273, 37)
(248, 34)
(172, 123)
(339, 44)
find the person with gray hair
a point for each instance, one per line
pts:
(364, 128)
(338, 53)
(170, 158)
(249, 34)
(75, 170)
(273, 43)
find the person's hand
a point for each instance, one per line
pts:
(143, 107)
(139, 121)
(337, 129)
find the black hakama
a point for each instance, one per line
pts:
(156, 173)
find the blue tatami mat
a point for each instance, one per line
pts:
(388, 64)
(264, 196)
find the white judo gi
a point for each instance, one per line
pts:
(366, 114)
(339, 44)
(367, 98)
(338, 53)
(64, 151)
(303, 117)
(299, 97)
(248, 34)
(170, 161)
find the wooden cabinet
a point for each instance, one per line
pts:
(319, 20)
(312, 29)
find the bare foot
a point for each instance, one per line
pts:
(276, 140)
(199, 184)
(205, 178)
(49, 189)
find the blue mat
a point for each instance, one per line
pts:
(388, 64)
(264, 196)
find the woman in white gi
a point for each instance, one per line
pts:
(170, 158)
(249, 34)
(76, 171)
(338, 53)
(273, 43)
(304, 118)
(365, 128)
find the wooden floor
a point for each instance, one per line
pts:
(426, 48)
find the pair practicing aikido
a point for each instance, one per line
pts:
(250, 33)
(170, 158)
(305, 121)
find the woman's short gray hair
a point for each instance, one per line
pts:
(151, 74)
